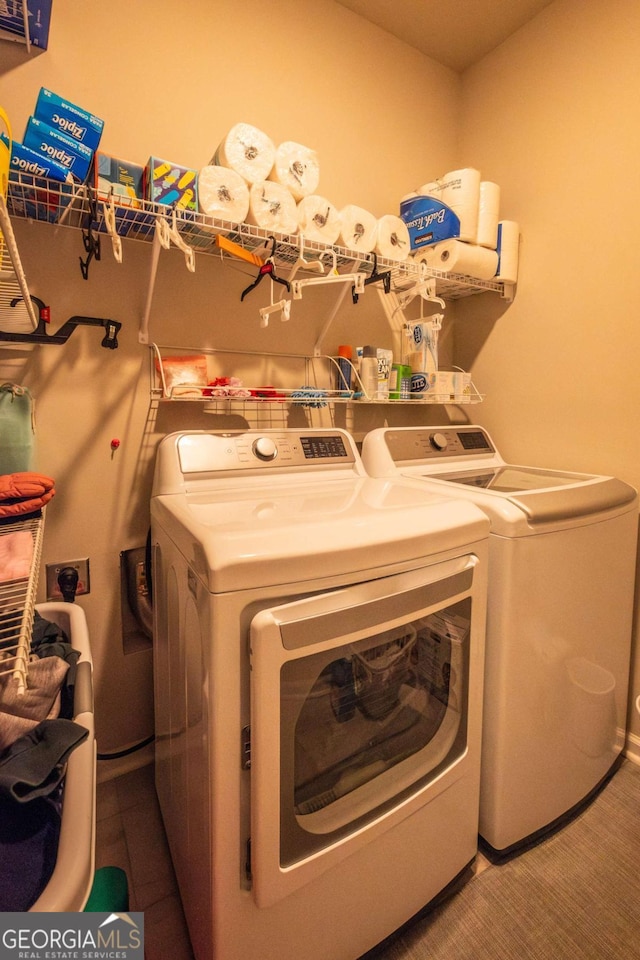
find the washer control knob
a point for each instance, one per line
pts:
(438, 441)
(265, 448)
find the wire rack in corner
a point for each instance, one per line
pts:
(20, 551)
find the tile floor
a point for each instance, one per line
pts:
(130, 835)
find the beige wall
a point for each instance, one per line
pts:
(552, 114)
(172, 85)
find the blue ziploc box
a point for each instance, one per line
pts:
(42, 138)
(428, 221)
(69, 119)
(170, 183)
(124, 181)
(39, 18)
(26, 161)
(35, 198)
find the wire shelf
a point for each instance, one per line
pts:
(70, 205)
(17, 604)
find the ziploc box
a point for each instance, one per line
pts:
(170, 183)
(35, 198)
(26, 161)
(428, 220)
(124, 181)
(69, 153)
(67, 118)
(39, 13)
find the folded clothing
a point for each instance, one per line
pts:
(24, 493)
(16, 553)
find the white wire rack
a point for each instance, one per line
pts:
(17, 603)
(71, 205)
(17, 313)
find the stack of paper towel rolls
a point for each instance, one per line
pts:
(248, 151)
(392, 238)
(456, 256)
(272, 207)
(318, 219)
(223, 194)
(475, 202)
(296, 168)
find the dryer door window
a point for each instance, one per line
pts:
(358, 706)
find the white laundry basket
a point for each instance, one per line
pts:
(70, 883)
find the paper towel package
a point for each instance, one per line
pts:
(296, 167)
(272, 207)
(508, 251)
(167, 182)
(488, 215)
(460, 190)
(66, 151)
(223, 194)
(248, 151)
(318, 219)
(68, 118)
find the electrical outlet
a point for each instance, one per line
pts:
(53, 570)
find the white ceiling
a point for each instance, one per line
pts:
(456, 33)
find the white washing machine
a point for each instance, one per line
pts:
(562, 555)
(318, 665)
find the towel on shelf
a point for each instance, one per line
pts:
(16, 553)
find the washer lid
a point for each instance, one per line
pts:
(291, 534)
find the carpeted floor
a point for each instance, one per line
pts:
(574, 896)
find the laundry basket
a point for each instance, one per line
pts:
(70, 883)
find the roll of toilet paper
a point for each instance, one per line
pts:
(296, 167)
(392, 238)
(223, 194)
(508, 251)
(455, 256)
(318, 219)
(460, 190)
(431, 189)
(358, 229)
(248, 151)
(272, 207)
(488, 214)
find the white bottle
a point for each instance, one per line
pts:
(369, 373)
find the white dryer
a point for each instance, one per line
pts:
(318, 667)
(562, 556)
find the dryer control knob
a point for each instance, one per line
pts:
(438, 440)
(265, 448)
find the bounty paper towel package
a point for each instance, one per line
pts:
(67, 118)
(66, 151)
(167, 182)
